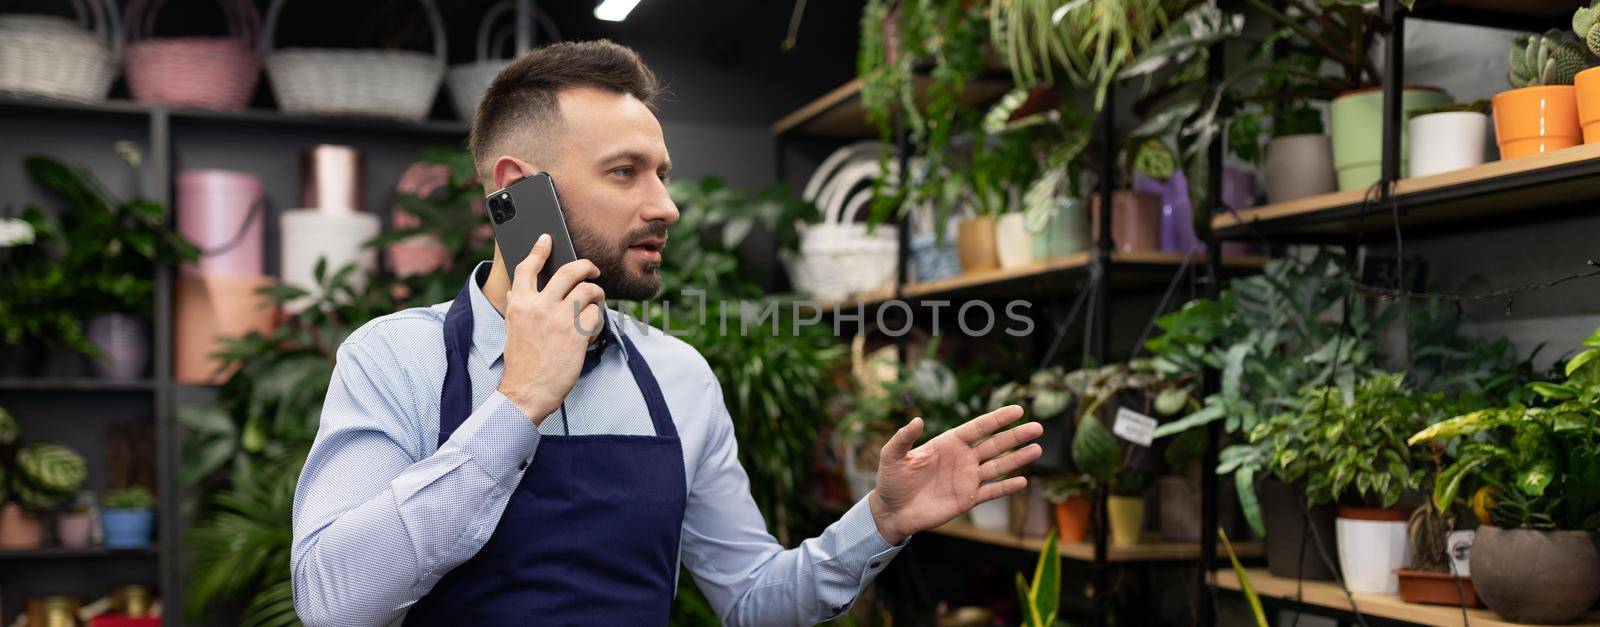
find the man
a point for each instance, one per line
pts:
(485, 462)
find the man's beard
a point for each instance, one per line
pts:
(615, 278)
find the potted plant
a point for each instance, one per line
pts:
(1298, 159)
(110, 249)
(1448, 137)
(1586, 23)
(1349, 445)
(1041, 598)
(1537, 469)
(128, 518)
(75, 526)
(1430, 578)
(1122, 471)
(44, 475)
(1071, 494)
(1540, 111)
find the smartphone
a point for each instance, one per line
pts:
(520, 213)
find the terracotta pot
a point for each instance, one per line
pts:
(1421, 586)
(75, 530)
(1291, 547)
(1543, 577)
(209, 308)
(1072, 519)
(1372, 545)
(1127, 518)
(1587, 86)
(975, 245)
(1298, 166)
(1135, 220)
(1012, 241)
(1536, 120)
(20, 530)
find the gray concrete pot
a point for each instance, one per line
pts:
(1297, 166)
(1540, 577)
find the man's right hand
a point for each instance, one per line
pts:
(544, 348)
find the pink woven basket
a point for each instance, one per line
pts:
(205, 72)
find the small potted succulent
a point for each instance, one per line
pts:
(1540, 112)
(43, 477)
(1071, 495)
(1448, 137)
(1586, 23)
(128, 518)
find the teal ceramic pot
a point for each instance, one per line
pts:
(1357, 119)
(1065, 232)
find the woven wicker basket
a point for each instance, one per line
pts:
(206, 72)
(468, 81)
(399, 84)
(840, 256)
(54, 57)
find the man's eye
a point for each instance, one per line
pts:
(626, 170)
(666, 178)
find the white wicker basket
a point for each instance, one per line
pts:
(468, 81)
(55, 57)
(839, 257)
(398, 84)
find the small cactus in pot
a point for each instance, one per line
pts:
(1586, 24)
(1547, 59)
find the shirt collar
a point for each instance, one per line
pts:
(489, 326)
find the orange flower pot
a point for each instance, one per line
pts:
(1536, 120)
(1072, 519)
(1587, 85)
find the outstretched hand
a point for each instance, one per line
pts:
(921, 487)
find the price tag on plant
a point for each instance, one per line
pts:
(1134, 427)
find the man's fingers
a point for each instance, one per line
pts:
(980, 427)
(569, 276)
(1010, 439)
(527, 272)
(1004, 465)
(904, 440)
(992, 491)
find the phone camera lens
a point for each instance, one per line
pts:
(499, 216)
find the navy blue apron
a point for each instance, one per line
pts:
(589, 537)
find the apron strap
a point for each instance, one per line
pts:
(653, 400)
(455, 399)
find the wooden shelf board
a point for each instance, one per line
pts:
(1495, 189)
(1328, 594)
(839, 114)
(65, 553)
(1131, 270)
(248, 117)
(1152, 550)
(1534, 8)
(75, 385)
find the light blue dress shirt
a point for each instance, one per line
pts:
(380, 515)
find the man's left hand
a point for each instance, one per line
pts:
(921, 487)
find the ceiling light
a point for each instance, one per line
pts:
(614, 10)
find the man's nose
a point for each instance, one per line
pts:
(660, 207)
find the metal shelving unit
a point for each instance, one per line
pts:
(248, 137)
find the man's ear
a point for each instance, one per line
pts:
(508, 169)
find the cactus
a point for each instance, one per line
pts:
(1585, 22)
(1546, 59)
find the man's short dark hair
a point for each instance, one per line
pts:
(522, 97)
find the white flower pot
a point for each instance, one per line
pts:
(1013, 241)
(1451, 140)
(1371, 550)
(993, 515)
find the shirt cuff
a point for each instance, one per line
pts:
(865, 550)
(498, 437)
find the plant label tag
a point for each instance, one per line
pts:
(1134, 427)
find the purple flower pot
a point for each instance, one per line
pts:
(125, 340)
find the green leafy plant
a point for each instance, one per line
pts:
(1245, 587)
(1541, 463)
(136, 497)
(1058, 489)
(1095, 451)
(1547, 59)
(99, 256)
(8, 427)
(1042, 597)
(46, 475)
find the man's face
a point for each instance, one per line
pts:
(610, 174)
